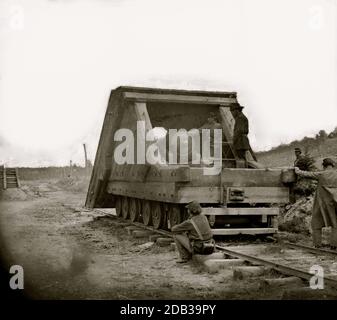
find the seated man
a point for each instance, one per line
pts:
(193, 235)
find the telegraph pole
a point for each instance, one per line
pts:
(70, 167)
(85, 156)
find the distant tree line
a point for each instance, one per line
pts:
(306, 142)
(333, 134)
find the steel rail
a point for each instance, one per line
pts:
(310, 249)
(160, 231)
(138, 224)
(277, 266)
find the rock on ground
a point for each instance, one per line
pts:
(297, 217)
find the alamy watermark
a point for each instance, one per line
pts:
(195, 146)
(17, 279)
(317, 280)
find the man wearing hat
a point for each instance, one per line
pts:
(193, 235)
(299, 158)
(324, 211)
(241, 130)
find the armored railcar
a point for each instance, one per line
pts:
(241, 198)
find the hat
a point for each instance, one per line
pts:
(194, 206)
(298, 149)
(236, 106)
(328, 162)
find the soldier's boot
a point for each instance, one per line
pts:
(317, 238)
(333, 239)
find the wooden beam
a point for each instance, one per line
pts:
(240, 211)
(252, 177)
(129, 172)
(150, 173)
(143, 115)
(155, 97)
(251, 194)
(201, 194)
(169, 174)
(166, 191)
(155, 191)
(227, 121)
(251, 231)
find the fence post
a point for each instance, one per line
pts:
(5, 179)
(2, 173)
(17, 178)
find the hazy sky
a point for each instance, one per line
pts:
(59, 59)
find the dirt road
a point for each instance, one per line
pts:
(66, 253)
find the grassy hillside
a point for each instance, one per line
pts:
(284, 155)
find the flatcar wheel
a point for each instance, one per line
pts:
(118, 206)
(175, 215)
(134, 207)
(146, 213)
(125, 207)
(157, 215)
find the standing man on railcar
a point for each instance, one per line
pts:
(299, 158)
(241, 129)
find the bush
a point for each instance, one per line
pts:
(333, 133)
(321, 135)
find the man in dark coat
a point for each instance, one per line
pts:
(193, 235)
(241, 130)
(324, 211)
(300, 159)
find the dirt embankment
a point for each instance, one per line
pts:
(295, 221)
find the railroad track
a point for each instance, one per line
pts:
(137, 224)
(311, 249)
(285, 267)
(291, 259)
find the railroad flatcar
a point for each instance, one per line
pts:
(137, 173)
